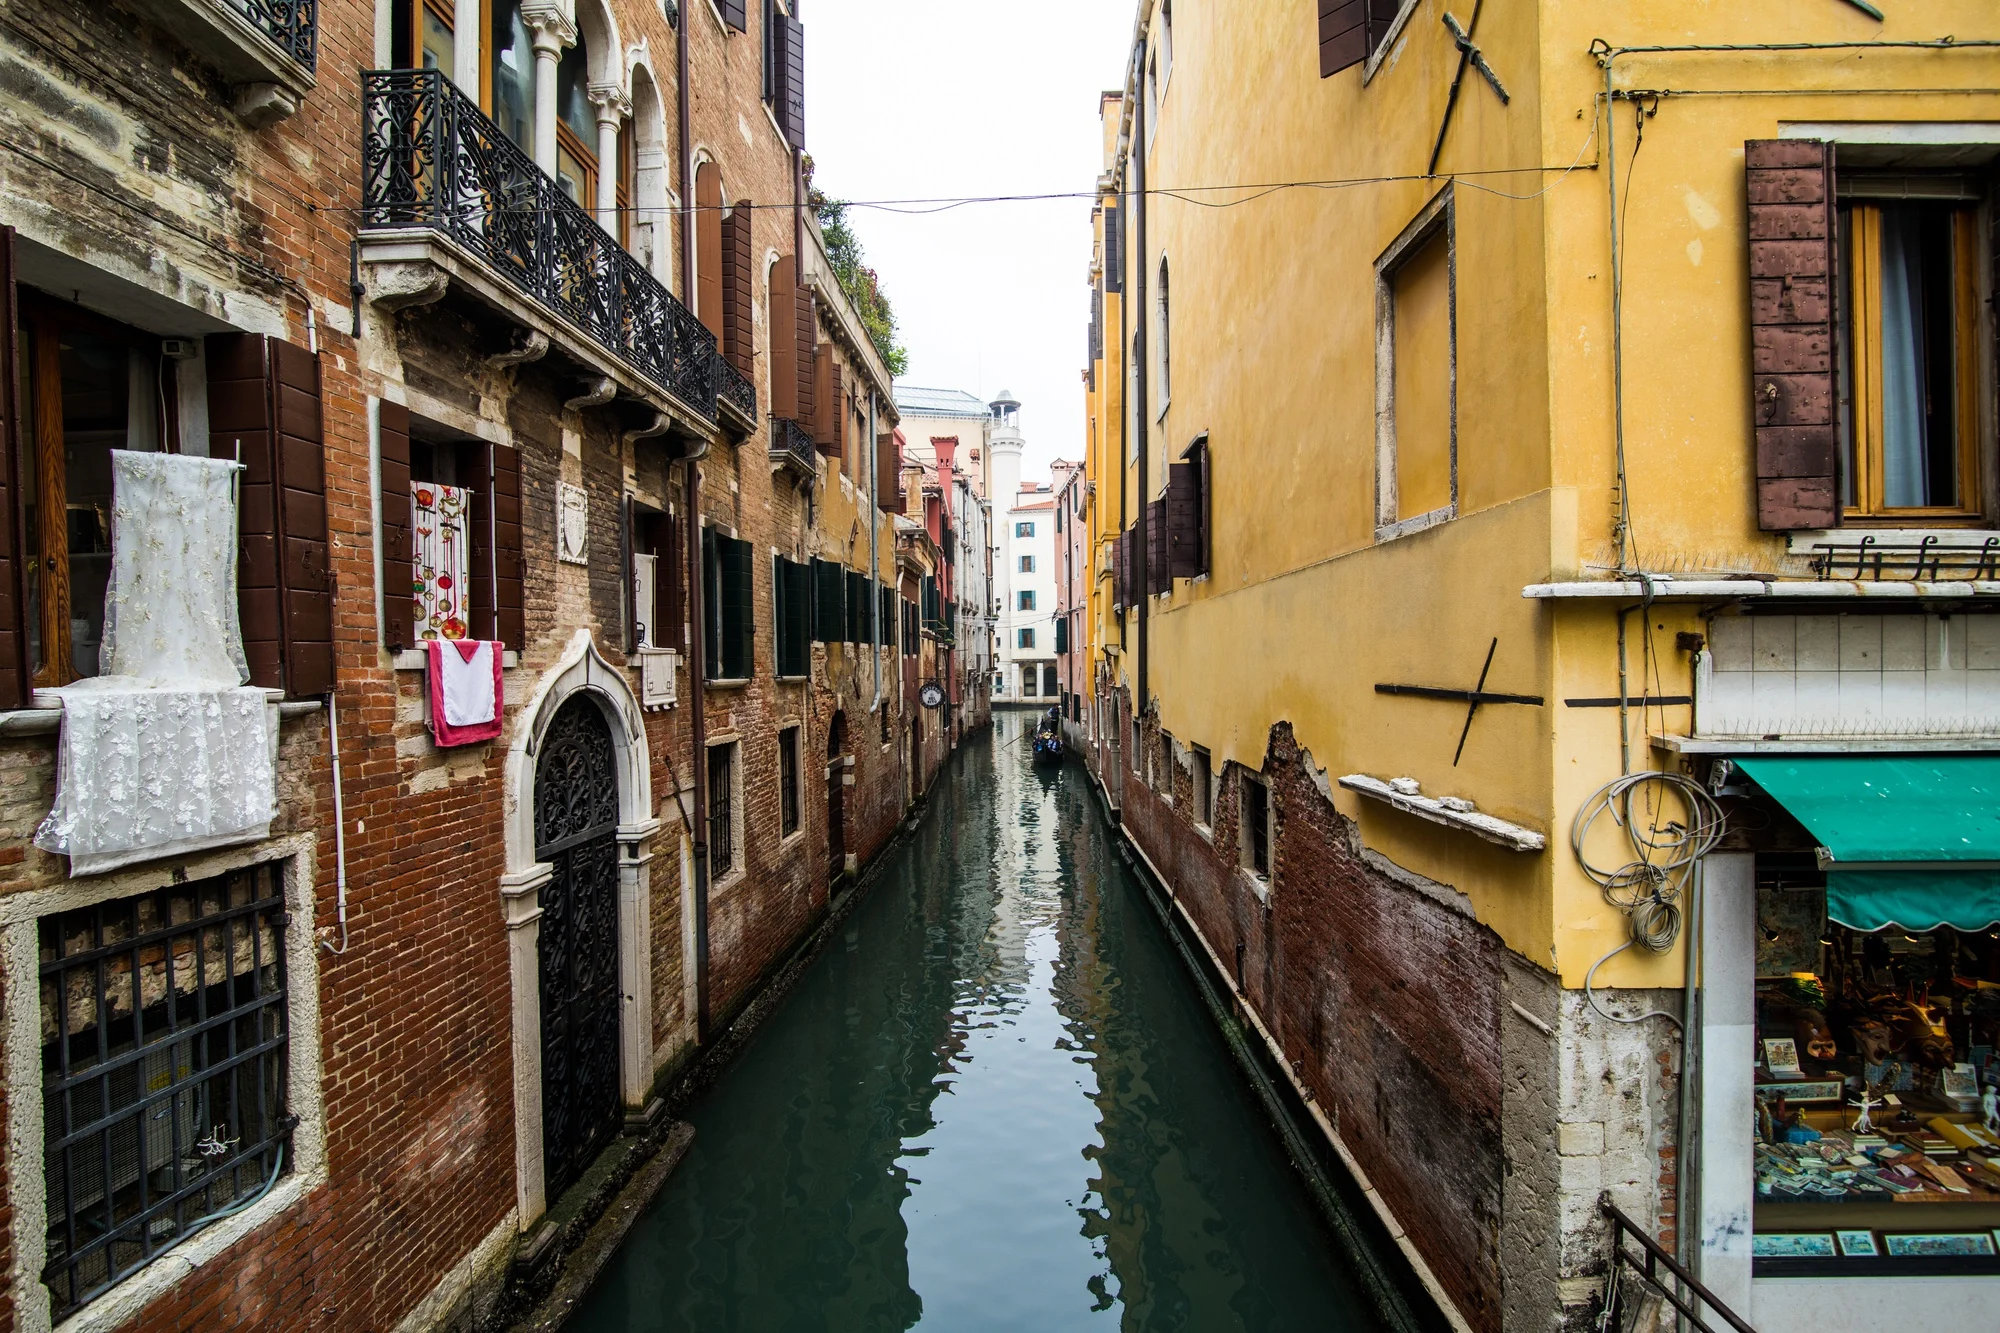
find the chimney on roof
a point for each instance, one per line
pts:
(945, 447)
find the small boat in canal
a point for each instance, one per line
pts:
(1047, 740)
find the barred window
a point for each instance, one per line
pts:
(164, 1040)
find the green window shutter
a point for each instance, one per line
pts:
(792, 588)
(711, 593)
(829, 617)
(857, 607)
(885, 626)
(739, 625)
(1062, 635)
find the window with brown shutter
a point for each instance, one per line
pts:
(735, 13)
(784, 336)
(708, 246)
(264, 399)
(805, 330)
(1790, 189)
(398, 557)
(14, 686)
(825, 407)
(1185, 517)
(738, 324)
(888, 474)
(790, 58)
(1158, 578)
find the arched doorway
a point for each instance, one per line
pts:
(576, 832)
(836, 795)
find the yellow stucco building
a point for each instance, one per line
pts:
(1504, 423)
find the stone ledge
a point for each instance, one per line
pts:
(1452, 812)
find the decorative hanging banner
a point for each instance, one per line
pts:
(441, 549)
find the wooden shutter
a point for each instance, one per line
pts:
(1184, 521)
(791, 102)
(710, 629)
(1062, 633)
(15, 686)
(837, 400)
(1118, 570)
(1343, 35)
(783, 339)
(805, 325)
(888, 474)
(825, 407)
(398, 555)
(1158, 577)
(739, 332)
(708, 246)
(857, 607)
(735, 13)
(509, 594)
(264, 396)
(1114, 249)
(829, 618)
(1793, 239)
(739, 618)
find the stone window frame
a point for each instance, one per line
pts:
(1436, 219)
(796, 732)
(21, 915)
(738, 869)
(1201, 786)
(1245, 855)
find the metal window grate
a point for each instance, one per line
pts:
(164, 1041)
(788, 779)
(721, 819)
(1256, 825)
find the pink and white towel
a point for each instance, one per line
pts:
(466, 696)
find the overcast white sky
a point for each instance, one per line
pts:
(953, 98)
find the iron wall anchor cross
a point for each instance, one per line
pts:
(1468, 54)
(1472, 698)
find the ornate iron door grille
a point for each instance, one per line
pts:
(576, 829)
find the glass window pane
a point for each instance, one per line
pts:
(1919, 400)
(513, 74)
(438, 43)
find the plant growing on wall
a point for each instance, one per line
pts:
(857, 280)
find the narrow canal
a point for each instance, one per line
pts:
(996, 1101)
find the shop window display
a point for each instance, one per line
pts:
(1877, 1131)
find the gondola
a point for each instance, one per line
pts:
(1047, 740)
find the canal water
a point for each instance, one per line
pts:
(996, 1101)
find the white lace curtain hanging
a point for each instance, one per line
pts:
(167, 751)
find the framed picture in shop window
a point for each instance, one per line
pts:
(1858, 1244)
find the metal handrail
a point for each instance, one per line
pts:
(431, 158)
(1647, 1271)
(293, 25)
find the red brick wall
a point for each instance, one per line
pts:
(1386, 1002)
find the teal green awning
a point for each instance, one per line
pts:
(1901, 830)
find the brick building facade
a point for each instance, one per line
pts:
(550, 256)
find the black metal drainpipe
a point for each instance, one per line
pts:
(1142, 584)
(698, 761)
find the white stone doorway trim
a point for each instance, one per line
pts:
(580, 670)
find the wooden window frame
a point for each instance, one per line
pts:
(569, 141)
(1436, 221)
(1859, 324)
(42, 322)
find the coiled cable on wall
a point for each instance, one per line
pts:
(1648, 888)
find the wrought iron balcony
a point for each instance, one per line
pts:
(735, 388)
(431, 159)
(791, 445)
(292, 24)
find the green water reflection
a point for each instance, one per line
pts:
(994, 1102)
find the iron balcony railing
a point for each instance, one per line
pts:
(292, 24)
(789, 440)
(431, 158)
(1932, 558)
(734, 387)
